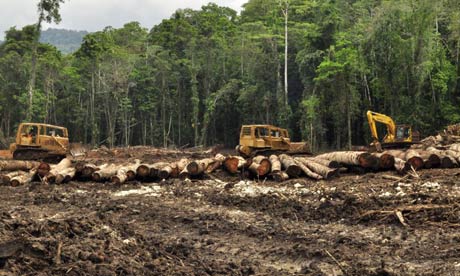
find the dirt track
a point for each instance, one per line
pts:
(225, 226)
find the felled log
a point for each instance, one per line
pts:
(121, 176)
(455, 147)
(105, 173)
(325, 162)
(43, 169)
(307, 171)
(143, 170)
(317, 168)
(216, 163)
(280, 176)
(448, 162)
(401, 166)
(184, 174)
(233, 163)
(290, 165)
(430, 159)
(6, 178)
(356, 158)
(260, 166)
(197, 167)
(156, 167)
(173, 170)
(386, 161)
(61, 166)
(414, 159)
(65, 176)
(18, 165)
(22, 179)
(90, 168)
(275, 163)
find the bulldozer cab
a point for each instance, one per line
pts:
(263, 136)
(42, 136)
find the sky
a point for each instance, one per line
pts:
(94, 15)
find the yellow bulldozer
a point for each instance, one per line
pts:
(35, 141)
(397, 136)
(267, 139)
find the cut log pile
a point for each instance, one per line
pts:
(276, 167)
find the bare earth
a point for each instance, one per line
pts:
(352, 225)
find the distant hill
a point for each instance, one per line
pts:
(67, 41)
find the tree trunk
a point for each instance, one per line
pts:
(23, 178)
(6, 179)
(105, 173)
(18, 165)
(216, 163)
(317, 168)
(325, 162)
(280, 176)
(65, 176)
(197, 167)
(290, 165)
(353, 158)
(233, 163)
(386, 161)
(275, 163)
(61, 166)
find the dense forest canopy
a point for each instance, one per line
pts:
(196, 77)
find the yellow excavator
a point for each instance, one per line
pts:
(397, 136)
(268, 139)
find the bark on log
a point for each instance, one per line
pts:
(215, 164)
(430, 159)
(197, 167)
(448, 162)
(276, 164)
(43, 169)
(65, 175)
(6, 178)
(23, 178)
(18, 165)
(184, 174)
(90, 168)
(356, 158)
(61, 166)
(178, 167)
(105, 173)
(401, 166)
(290, 165)
(455, 147)
(143, 170)
(320, 169)
(386, 161)
(325, 162)
(307, 171)
(233, 163)
(156, 167)
(414, 159)
(280, 176)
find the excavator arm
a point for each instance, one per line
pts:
(374, 117)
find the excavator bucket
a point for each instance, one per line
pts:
(78, 149)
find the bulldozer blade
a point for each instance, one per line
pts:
(299, 148)
(77, 149)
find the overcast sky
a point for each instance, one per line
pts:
(94, 15)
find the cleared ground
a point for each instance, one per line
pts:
(353, 225)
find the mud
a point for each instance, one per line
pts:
(352, 225)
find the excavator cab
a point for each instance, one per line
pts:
(397, 136)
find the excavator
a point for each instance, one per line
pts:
(397, 136)
(35, 141)
(268, 139)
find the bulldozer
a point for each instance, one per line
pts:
(35, 141)
(268, 139)
(397, 136)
